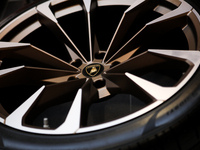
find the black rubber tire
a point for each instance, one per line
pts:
(172, 126)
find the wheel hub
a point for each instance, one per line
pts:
(93, 70)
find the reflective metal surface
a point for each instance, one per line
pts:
(89, 65)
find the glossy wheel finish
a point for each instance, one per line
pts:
(78, 66)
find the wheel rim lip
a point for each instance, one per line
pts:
(108, 124)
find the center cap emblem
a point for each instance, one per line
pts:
(92, 70)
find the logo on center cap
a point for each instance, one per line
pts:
(92, 70)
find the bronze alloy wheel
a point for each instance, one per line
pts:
(79, 67)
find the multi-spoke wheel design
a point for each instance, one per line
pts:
(70, 66)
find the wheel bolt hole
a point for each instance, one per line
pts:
(114, 64)
(99, 55)
(76, 63)
(72, 78)
(99, 83)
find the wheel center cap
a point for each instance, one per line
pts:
(93, 70)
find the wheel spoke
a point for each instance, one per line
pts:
(72, 122)
(177, 16)
(145, 62)
(125, 85)
(15, 118)
(33, 76)
(152, 30)
(90, 7)
(46, 75)
(112, 87)
(138, 8)
(124, 57)
(166, 92)
(72, 54)
(188, 61)
(190, 57)
(89, 96)
(53, 95)
(49, 20)
(155, 60)
(158, 92)
(78, 113)
(52, 92)
(33, 55)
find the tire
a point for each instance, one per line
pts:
(101, 75)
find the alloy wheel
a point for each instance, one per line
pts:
(80, 66)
